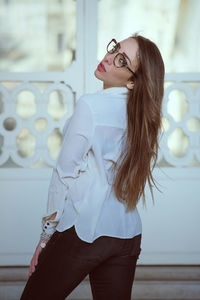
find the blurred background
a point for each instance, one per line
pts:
(31, 30)
(49, 50)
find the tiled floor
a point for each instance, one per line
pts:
(151, 283)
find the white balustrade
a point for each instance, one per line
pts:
(33, 113)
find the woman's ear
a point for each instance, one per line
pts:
(130, 85)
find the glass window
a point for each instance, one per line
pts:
(173, 25)
(37, 35)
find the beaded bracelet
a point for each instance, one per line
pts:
(44, 236)
(48, 228)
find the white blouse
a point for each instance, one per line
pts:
(80, 190)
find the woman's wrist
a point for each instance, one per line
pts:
(48, 228)
(44, 236)
(43, 243)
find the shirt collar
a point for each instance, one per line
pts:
(114, 91)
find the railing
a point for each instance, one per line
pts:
(35, 106)
(180, 142)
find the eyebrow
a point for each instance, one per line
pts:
(126, 55)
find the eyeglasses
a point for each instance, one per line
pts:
(120, 58)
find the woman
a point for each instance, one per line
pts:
(110, 146)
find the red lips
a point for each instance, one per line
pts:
(101, 68)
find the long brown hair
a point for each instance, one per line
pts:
(140, 141)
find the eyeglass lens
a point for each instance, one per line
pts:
(112, 47)
(119, 59)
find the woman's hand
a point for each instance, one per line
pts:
(34, 260)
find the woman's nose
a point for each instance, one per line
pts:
(109, 58)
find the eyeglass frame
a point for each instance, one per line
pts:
(117, 48)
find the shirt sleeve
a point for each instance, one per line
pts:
(71, 161)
